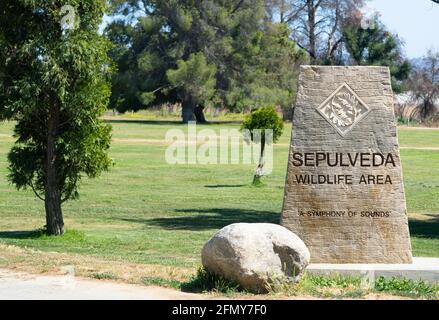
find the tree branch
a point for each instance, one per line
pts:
(294, 14)
(237, 6)
(304, 48)
(318, 4)
(35, 191)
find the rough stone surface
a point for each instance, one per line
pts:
(347, 111)
(255, 254)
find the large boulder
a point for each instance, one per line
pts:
(256, 254)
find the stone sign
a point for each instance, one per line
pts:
(344, 193)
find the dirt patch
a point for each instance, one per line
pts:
(38, 262)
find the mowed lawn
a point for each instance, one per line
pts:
(149, 212)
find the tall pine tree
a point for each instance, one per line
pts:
(376, 46)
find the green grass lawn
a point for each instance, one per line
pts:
(146, 211)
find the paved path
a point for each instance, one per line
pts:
(14, 285)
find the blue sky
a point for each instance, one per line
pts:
(415, 21)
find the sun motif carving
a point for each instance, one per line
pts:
(343, 109)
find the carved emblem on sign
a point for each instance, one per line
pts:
(343, 109)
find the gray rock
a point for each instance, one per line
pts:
(256, 254)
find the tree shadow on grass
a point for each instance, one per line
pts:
(218, 186)
(147, 122)
(20, 235)
(205, 219)
(428, 228)
(164, 122)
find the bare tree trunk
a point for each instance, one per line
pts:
(332, 43)
(312, 38)
(188, 108)
(427, 109)
(199, 114)
(54, 218)
(259, 173)
(282, 11)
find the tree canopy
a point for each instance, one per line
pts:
(255, 60)
(377, 46)
(261, 124)
(195, 81)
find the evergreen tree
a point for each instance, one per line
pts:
(53, 84)
(253, 57)
(195, 80)
(277, 65)
(377, 46)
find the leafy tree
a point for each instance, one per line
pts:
(377, 46)
(278, 63)
(125, 81)
(196, 81)
(424, 83)
(261, 123)
(53, 84)
(253, 57)
(270, 71)
(143, 53)
(170, 31)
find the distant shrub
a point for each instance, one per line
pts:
(258, 122)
